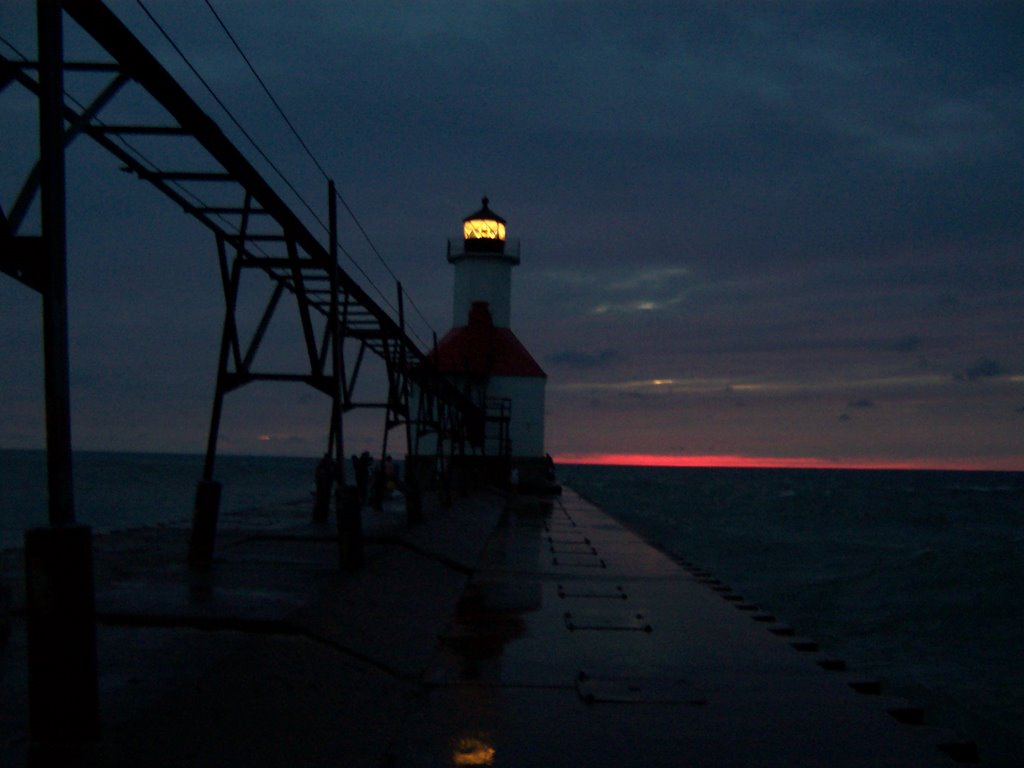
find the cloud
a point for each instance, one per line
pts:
(776, 197)
(984, 368)
(584, 360)
(635, 395)
(752, 386)
(640, 305)
(570, 277)
(646, 279)
(618, 290)
(906, 344)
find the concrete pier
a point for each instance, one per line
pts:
(500, 631)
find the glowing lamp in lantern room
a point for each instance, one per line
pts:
(484, 231)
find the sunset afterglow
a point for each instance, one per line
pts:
(1002, 464)
(809, 260)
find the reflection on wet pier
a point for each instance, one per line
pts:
(577, 643)
(500, 631)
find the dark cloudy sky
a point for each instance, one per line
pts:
(753, 229)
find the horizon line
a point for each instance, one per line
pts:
(739, 461)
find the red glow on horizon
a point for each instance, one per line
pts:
(999, 464)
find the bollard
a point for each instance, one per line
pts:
(413, 500)
(60, 617)
(204, 524)
(350, 528)
(444, 490)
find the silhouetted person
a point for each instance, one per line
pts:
(362, 468)
(324, 480)
(376, 487)
(390, 478)
(5, 613)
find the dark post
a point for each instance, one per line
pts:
(444, 473)
(413, 497)
(347, 505)
(59, 604)
(413, 501)
(350, 528)
(207, 505)
(60, 611)
(204, 524)
(338, 413)
(54, 238)
(337, 443)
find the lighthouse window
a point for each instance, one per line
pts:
(483, 229)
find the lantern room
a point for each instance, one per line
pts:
(483, 261)
(484, 231)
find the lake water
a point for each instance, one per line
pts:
(914, 578)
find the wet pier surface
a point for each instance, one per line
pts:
(507, 632)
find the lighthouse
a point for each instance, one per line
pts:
(481, 353)
(483, 259)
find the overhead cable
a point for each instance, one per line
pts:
(140, 156)
(312, 157)
(228, 112)
(252, 141)
(266, 90)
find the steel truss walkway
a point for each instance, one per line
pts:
(192, 162)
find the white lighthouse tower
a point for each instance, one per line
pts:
(483, 354)
(483, 261)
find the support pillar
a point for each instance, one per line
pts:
(350, 528)
(207, 505)
(204, 524)
(444, 485)
(337, 328)
(61, 630)
(59, 602)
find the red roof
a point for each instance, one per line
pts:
(480, 349)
